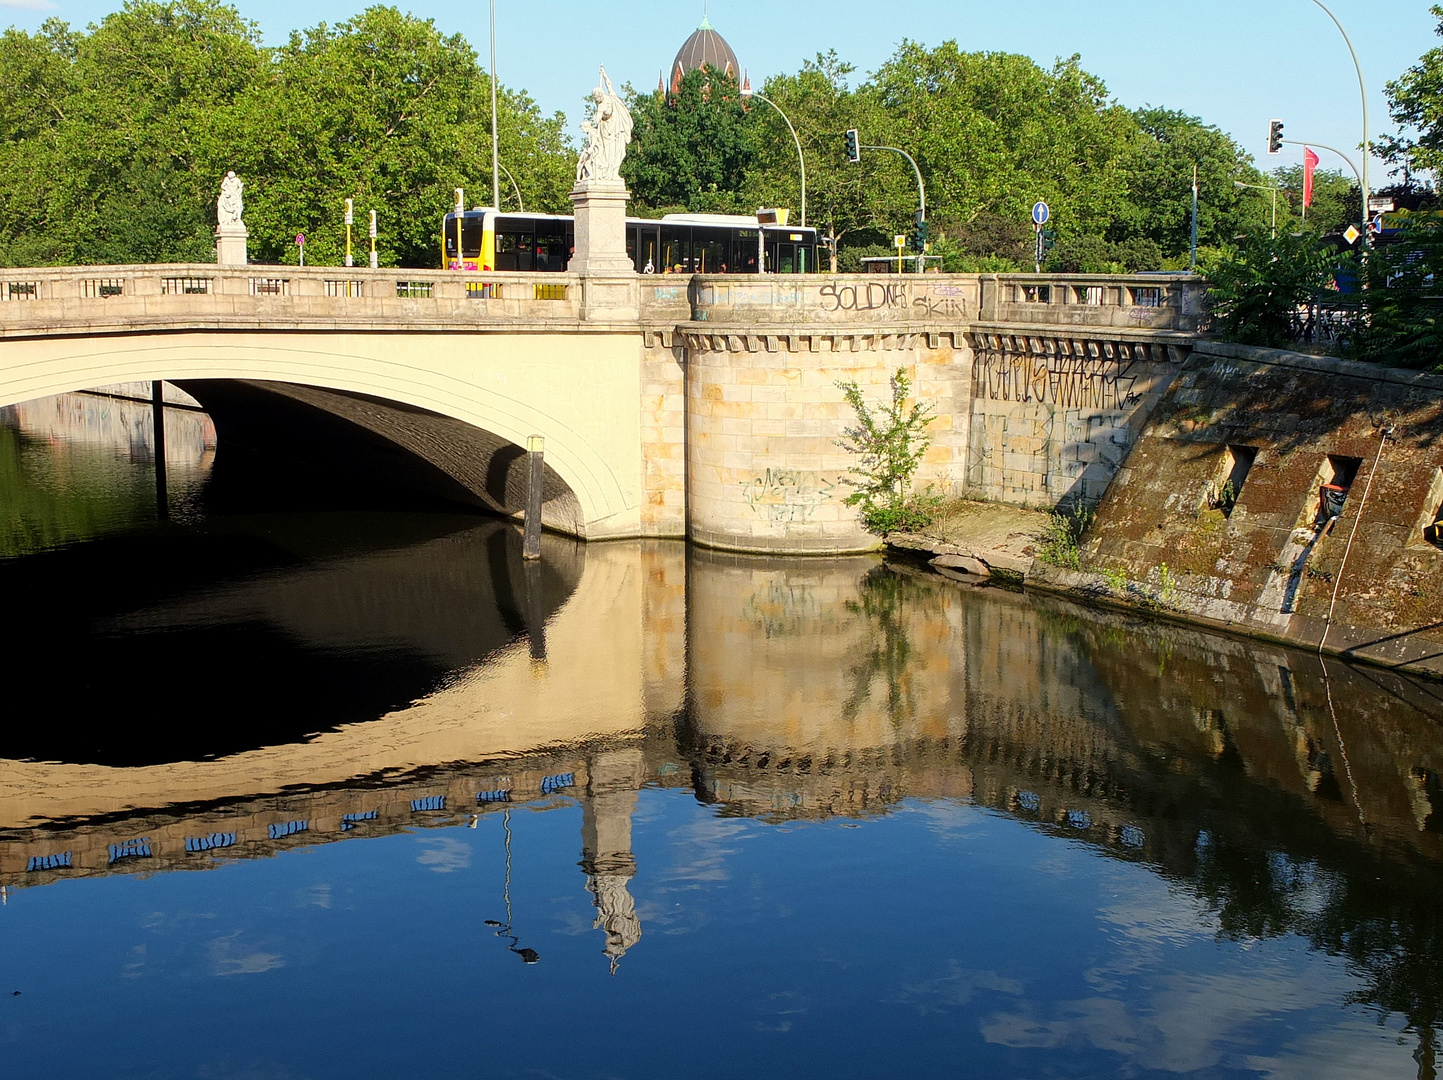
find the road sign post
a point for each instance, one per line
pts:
(301, 244)
(1041, 214)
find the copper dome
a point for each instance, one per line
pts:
(705, 48)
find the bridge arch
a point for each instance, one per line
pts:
(578, 391)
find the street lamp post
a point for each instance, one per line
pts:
(1262, 187)
(495, 146)
(921, 192)
(1360, 177)
(801, 160)
(1363, 92)
(520, 203)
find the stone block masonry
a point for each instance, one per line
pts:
(705, 407)
(1260, 474)
(1053, 417)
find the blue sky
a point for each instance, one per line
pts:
(1235, 63)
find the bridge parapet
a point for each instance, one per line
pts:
(1138, 302)
(94, 299)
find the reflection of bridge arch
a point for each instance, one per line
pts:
(579, 391)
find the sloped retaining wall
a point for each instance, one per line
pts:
(1283, 495)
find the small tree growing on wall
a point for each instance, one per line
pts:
(889, 441)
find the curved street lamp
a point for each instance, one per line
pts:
(747, 92)
(520, 204)
(1261, 187)
(1362, 90)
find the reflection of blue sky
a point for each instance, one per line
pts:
(230, 955)
(937, 935)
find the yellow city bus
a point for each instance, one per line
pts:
(675, 244)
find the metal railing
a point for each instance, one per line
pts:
(1328, 324)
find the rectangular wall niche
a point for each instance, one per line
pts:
(1330, 489)
(1232, 473)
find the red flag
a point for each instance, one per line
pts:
(1310, 162)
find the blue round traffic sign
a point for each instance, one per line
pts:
(1040, 213)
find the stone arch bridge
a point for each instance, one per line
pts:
(704, 407)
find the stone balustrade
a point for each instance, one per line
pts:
(91, 298)
(96, 298)
(1145, 302)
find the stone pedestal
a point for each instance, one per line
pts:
(230, 245)
(600, 227)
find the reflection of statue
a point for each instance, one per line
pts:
(608, 130)
(228, 207)
(615, 914)
(606, 808)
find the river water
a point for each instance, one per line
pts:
(355, 793)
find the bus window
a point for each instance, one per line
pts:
(676, 255)
(470, 242)
(711, 252)
(514, 251)
(552, 247)
(786, 259)
(744, 252)
(648, 248)
(551, 253)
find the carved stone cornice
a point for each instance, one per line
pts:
(704, 337)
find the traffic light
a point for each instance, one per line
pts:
(854, 146)
(1275, 136)
(919, 234)
(1049, 239)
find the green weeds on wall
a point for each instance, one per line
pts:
(889, 441)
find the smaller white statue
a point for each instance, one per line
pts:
(229, 206)
(608, 130)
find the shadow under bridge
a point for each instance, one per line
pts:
(362, 442)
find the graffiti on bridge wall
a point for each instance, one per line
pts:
(902, 298)
(873, 296)
(786, 495)
(940, 302)
(1073, 382)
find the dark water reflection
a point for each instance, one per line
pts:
(655, 811)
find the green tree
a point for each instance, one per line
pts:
(38, 73)
(889, 442)
(1256, 291)
(113, 141)
(1402, 305)
(693, 148)
(1158, 203)
(1336, 200)
(155, 82)
(1091, 254)
(1415, 102)
(110, 152)
(384, 109)
(996, 132)
(841, 199)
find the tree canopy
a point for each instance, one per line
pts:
(991, 133)
(1415, 102)
(114, 140)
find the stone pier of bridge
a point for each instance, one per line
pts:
(701, 407)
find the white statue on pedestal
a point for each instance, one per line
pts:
(608, 130)
(229, 206)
